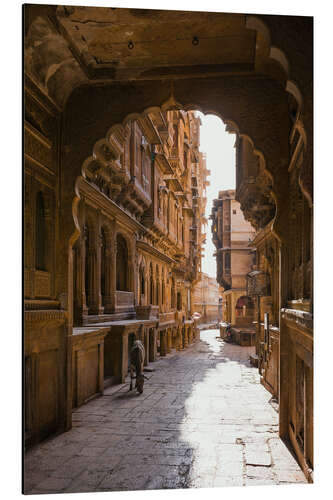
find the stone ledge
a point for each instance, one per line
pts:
(301, 319)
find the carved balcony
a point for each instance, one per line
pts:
(123, 301)
(147, 312)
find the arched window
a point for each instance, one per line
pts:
(122, 281)
(244, 306)
(142, 280)
(40, 233)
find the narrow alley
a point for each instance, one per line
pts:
(203, 420)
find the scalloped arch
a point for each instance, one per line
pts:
(168, 105)
(276, 54)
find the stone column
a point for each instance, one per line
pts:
(163, 343)
(133, 276)
(94, 256)
(80, 304)
(80, 359)
(113, 275)
(101, 366)
(168, 333)
(185, 336)
(190, 334)
(179, 338)
(109, 260)
(284, 348)
(141, 334)
(152, 344)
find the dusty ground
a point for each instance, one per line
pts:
(203, 420)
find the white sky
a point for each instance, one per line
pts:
(220, 153)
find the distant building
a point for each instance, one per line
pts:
(207, 299)
(231, 235)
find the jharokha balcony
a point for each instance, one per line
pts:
(123, 301)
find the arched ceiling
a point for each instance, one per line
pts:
(101, 64)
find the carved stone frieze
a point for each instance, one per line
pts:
(45, 316)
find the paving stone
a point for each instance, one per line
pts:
(259, 472)
(287, 476)
(259, 458)
(234, 480)
(203, 412)
(53, 484)
(254, 481)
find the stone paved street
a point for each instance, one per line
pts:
(204, 420)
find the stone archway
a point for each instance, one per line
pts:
(92, 100)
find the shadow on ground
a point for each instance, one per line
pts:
(203, 420)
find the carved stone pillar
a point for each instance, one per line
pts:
(163, 343)
(94, 280)
(181, 333)
(108, 266)
(101, 367)
(174, 338)
(284, 348)
(185, 337)
(169, 346)
(80, 304)
(133, 275)
(141, 334)
(190, 335)
(152, 344)
(113, 274)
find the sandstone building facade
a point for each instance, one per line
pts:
(88, 88)
(135, 257)
(232, 235)
(207, 300)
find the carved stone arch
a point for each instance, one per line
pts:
(270, 142)
(142, 278)
(124, 263)
(297, 82)
(258, 203)
(127, 237)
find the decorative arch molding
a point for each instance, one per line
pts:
(128, 239)
(270, 144)
(61, 75)
(236, 103)
(293, 86)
